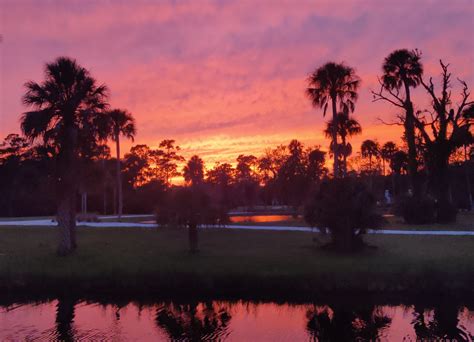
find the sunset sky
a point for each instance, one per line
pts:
(225, 77)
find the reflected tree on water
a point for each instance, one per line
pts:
(193, 322)
(343, 324)
(65, 313)
(444, 324)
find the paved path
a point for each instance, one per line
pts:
(49, 223)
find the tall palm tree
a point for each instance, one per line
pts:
(370, 149)
(63, 112)
(402, 70)
(121, 123)
(333, 83)
(346, 127)
(193, 171)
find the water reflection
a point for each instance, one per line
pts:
(441, 322)
(69, 319)
(193, 322)
(343, 324)
(65, 318)
(261, 218)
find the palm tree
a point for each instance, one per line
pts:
(346, 127)
(370, 149)
(333, 83)
(193, 171)
(121, 123)
(402, 69)
(387, 152)
(64, 108)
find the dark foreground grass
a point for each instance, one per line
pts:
(231, 263)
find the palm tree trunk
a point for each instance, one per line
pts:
(104, 188)
(344, 157)
(409, 125)
(66, 223)
(336, 169)
(66, 189)
(119, 178)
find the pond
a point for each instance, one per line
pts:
(73, 319)
(261, 218)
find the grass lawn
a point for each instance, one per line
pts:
(26, 218)
(231, 263)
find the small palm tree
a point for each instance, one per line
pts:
(64, 108)
(370, 149)
(193, 171)
(387, 152)
(334, 83)
(346, 127)
(121, 123)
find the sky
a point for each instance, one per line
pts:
(225, 78)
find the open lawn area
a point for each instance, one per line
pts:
(231, 263)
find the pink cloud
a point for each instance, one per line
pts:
(225, 78)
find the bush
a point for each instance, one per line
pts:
(446, 212)
(190, 207)
(417, 211)
(88, 217)
(346, 209)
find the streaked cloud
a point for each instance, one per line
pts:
(227, 77)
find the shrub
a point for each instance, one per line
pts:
(88, 217)
(417, 211)
(346, 209)
(190, 207)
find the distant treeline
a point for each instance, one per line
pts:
(283, 175)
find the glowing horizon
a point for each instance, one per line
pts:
(228, 78)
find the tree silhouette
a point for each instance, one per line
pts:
(64, 112)
(315, 167)
(292, 176)
(222, 178)
(345, 208)
(65, 313)
(193, 171)
(167, 160)
(193, 322)
(333, 83)
(246, 177)
(386, 153)
(340, 323)
(137, 168)
(370, 149)
(450, 129)
(346, 127)
(189, 207)
(121, 123)
(402, 70)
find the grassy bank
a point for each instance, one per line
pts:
(231, 263)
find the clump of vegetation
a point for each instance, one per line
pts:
(87, 217)
(416, 210)
(346, 209)
(190, 207)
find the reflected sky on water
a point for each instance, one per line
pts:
(70, 319)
